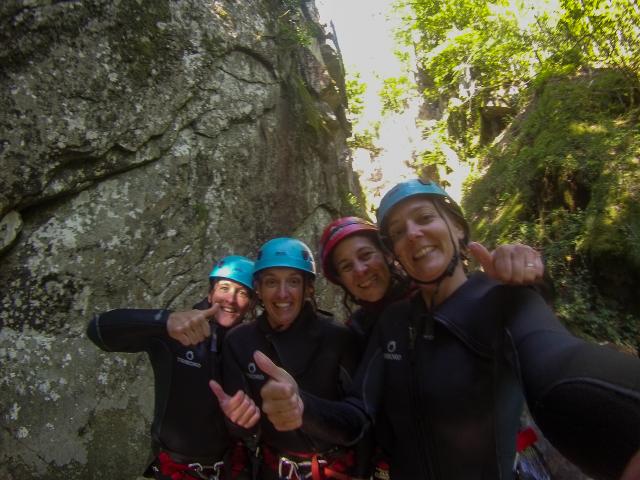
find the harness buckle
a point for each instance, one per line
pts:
(291, 470)
(199, 469)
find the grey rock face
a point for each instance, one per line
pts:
(139, 141)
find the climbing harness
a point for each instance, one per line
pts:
(302, 466)
(188, 471)
(529, 463)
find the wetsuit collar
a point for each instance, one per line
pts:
(296, 346)
(471, 312)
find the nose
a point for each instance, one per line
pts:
(413, 230)
(233, 300)
(282, 290)
(359, 267)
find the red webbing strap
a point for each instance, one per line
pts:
(336, 469)
(174, 470)
(525, 438)
(239, 459)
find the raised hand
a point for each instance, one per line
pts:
(239, 409)
(192, 326)
(281, 400)
(515, 264)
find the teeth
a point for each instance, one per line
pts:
(367, 283)
(283, 305)
(423, 252)
(229, 310)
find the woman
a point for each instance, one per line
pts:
(444, 365)
(319, 352)
(354, 258)
(188, 433)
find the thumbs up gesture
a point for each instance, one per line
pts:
(239, 409)
(281, 400)
(515, 263)
(191, 327)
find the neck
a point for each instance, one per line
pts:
(435, 294)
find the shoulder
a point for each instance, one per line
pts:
(326, 320)
(241, 332)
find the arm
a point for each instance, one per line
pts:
(584, 397)
(342, 422)
(127, 330)
(130, 330)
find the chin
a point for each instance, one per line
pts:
(372, 297)
(227, 321)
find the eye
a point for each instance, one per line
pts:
(345, 267)
(270, 282)
(396, 233)
(424, 218)
(295, 281)
(223, 288)
(366, 255)
(243, 293)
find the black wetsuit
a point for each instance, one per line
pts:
(319, 352)
(362, 323)
(450, 383)
(187, 421)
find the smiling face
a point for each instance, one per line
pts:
(283, 292)
(234, 300)
(421, 239)
(362, 268)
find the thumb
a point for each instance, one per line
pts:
(483, 256)
(211, 312)
(218, 391)
(265, 364)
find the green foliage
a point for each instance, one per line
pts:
(293, 28)
(395, 93)
(567, 181)
(355, 95)
(366, 139)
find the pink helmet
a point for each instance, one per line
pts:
(334, 233)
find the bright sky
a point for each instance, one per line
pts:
(365, 36)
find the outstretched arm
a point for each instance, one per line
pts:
(584, 397)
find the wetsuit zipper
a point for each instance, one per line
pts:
(423, 437)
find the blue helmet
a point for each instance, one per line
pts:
(404, 190)
(285, 252)
(236, 268)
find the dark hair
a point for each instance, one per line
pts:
(399, 280)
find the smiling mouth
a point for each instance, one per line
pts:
(423, 252)
(229, 310)
(367, 283)
(282, 305)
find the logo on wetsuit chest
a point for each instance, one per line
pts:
(251, 372)
(188, 360)
(390, 353)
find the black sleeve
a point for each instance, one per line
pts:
(233, 379)
(584, 397)
(347, 422)
(127, 330)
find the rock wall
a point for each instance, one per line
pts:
(139, 141)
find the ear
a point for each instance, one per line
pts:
(309, 291)
(210, 295)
